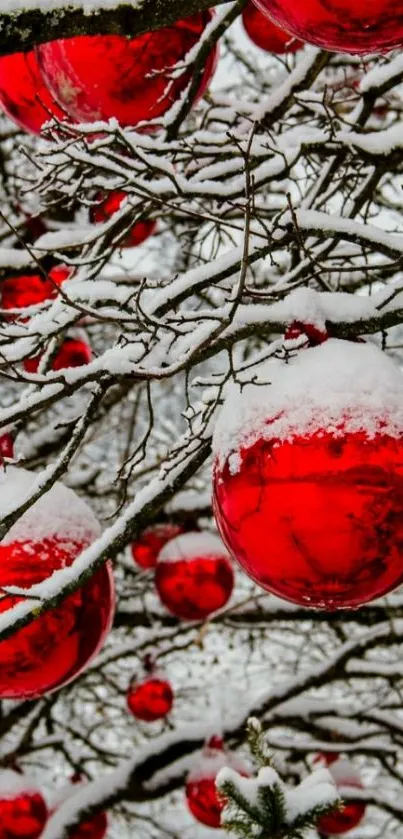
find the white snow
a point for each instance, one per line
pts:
(340, 386)
(211, 764)
(13, 784)
(191, 546)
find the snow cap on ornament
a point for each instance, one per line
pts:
(308, 475)
(23, 811)
(194, 575)
(202, 798)
(350, 815)
(55, 647)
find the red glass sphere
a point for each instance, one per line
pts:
(194, 575)
(266, 34)
(23, 812)
(72, 353)
(6, 446)
(341, 821)
(145, 551)
(24, 95)
(99, 77)
(140, 231)
(201, 795)
(30, 289)
(352, 26)
(54, 648)
(317, 520)
(150, 700)
(94, 828)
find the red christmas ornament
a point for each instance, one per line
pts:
(111, 76)
(201, 794)
(30, 289)
(266, 34)
(194, 575)
(140, 231)
(72, 353)
(54, 648)
(23, 812)
(308, 478)
(6, 446)
(24, 95)
(151, 699)
(352, 26)
(352, 813)
(145, 551)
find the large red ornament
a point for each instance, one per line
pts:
(72, 353)
(194, 575)
(308, 478)
(23, 812)
(352, 813)
(140, 231)
(24, 95)
(266, 34)
(352, 26)
(151, 699)
(147, 547)
(54, 648)
(201, 794)
(99, 77)
(30, 289)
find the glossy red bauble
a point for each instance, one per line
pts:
(145, 551)
(194, 575)
(23, 812)
(266, 34)
(151, 699)
(24, 95)
(201, 794)
(352, 26)
(6, 446)
(341, 821)
(30, 289)
(93, 828)
(99, 77)
(308, 481)
(140, 231)
(72, 353)
(55, 647)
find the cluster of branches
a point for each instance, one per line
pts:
(280, 193)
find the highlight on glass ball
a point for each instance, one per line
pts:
(201, 794)
(308, 476)
(99, 77)
(23, 811)
(150, 697)
(73, 352)
(350, 815)
(24, 96)
(266, 34)
(146, 548)
(56, 646)
(194, 575)
(349, 26)
(105, 210)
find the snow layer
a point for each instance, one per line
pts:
(13, 784)
(213, 762)
(59, 512)
(339, 386)
(191, 546)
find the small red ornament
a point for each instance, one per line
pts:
(24, 95)
(140, 231)
(55, 647)
(145, 551)
(6, 446)
(341, 821)
(72, 353)
(30, 289)
(352, 26)
(308, 478)
(152, 698)
(266, 34)
(99, 77)
(201, 794)
(194, 575)
(23, 812)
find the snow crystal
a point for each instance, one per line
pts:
(340, 386)
(191, 545)
(59, 512)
